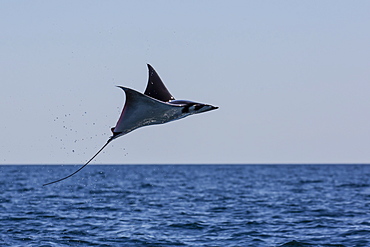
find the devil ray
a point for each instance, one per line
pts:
(155, 106)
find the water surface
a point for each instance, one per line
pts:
(186, 205)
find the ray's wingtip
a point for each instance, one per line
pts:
(121, 87)
(150, 67)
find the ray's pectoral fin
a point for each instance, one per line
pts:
(156, 88)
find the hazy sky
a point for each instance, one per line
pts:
(291, 78)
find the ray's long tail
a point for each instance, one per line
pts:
(70, 175)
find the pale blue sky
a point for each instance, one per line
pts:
(291, 78)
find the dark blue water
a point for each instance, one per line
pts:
(228, 205)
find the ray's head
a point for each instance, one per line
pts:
(200, 108)
(193, 107)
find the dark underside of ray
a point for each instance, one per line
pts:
(56, 181)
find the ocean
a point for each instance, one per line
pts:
(185, 205)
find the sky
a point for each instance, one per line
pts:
(291, 79)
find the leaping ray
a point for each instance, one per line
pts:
(155, 106)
